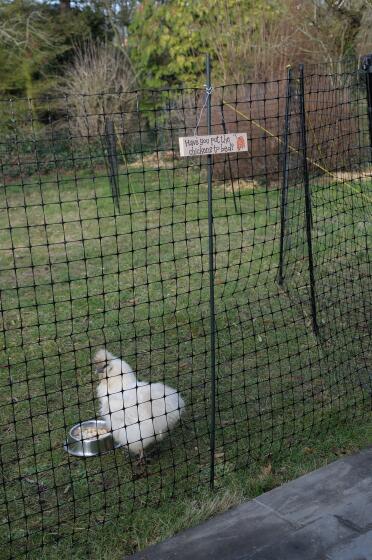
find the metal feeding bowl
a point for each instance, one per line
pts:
(89, 438)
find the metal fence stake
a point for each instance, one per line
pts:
(308, 209)
(112, 159)
(367, 67)
(284, 192)
(211, 282)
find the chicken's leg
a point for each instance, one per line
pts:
(140, 465)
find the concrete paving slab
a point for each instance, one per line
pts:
(307, 543)
(324, 515)
(224, 532)
(342, 488)
(357, 549)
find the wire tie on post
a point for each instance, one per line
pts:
(208, 92)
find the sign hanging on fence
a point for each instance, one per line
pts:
(213, 144)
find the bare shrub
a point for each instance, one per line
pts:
(98, 84)
(333, 127)
(259, 110)
(258, 47)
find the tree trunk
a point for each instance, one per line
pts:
(64, 5)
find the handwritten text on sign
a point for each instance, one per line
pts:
(213, 144)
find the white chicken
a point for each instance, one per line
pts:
(138, 413)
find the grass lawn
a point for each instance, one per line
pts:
(76, 275)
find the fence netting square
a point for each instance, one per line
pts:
(104, 245)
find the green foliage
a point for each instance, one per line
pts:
(36, 40)
(168, 40)
(167, 43)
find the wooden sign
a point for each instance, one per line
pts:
(191, 146)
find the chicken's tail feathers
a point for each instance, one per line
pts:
(102, 358)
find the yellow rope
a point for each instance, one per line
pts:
(258, 125)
